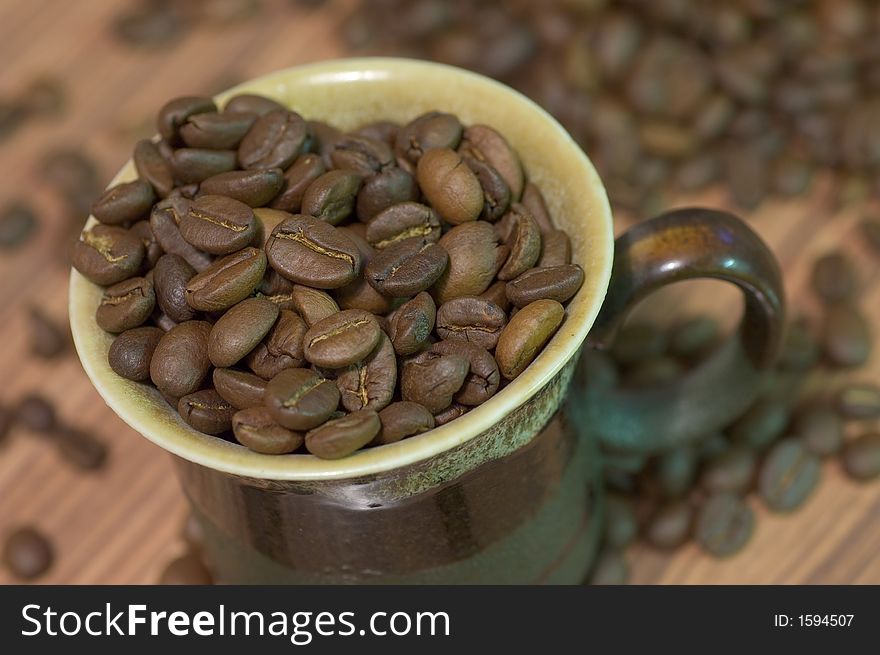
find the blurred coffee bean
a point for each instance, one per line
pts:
(834, 278)
(36, 413)
(17, 225)
(27, 553)
(188, 569)
(610, 568)
(670, 526)
(820, 429)
(150, 24)
(762, 424)
(44, 96)
(81, 449)
(675, 471)
(620, 522)
(861, 457)
(788, 475)
(730, 471)
(48, 338)
(847, 336)
(724, 524)
(859, 401)
(800, 348)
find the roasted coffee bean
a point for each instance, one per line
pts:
(638, 341)
(859, 401)
(730, 471)
(125, 203)
(472, 319)
(526, 334)
(403, 221)
(341, 339)
(450, 186)
(323, 136)
(153, 167)
(305, 169)
(193, 165)
(432, 379)
(472, 249)
(657, 371)
(370, 384)
(80, 449)
(497, 295)
(254, 188)
(176, 112)
(383, 190)
(344, 435)
(239, 330)
(274, 141)
(248, 103)
(255, 428)
(311, 252)
(428, 131)
(385, 131)
(533, 201)
(788, 475)
(180, 361)
(170, 277)
(488, 145)
(206, 411)
(300, 399)
(407, 267)
(610, 568)
(331, 197)
(724, 524)
(693, 338)
(670, 525)
(820, 429)
(188, 569)
(17, 224)
(762, 424)
(496, 193)
(36, 413)
(483, 378)
(847, 336)
(861, 457)
(401, 420)
(152, 249)
(27, 553)
(834, 278)
(227, 281)
(267, 220)
(358, 294)
(48, 339)
(454, 411)
(555, 249)
(240, 389)
(218, 224)
(126, 305)
(524, 242)
(312, 304)
(107, 255)
(675, 471)
(412, 324)
(131, 352)
(217, 131)
(558, 283)
(361, 154)
(164, 221)
(281, 348)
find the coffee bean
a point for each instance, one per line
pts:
(107, 255)
(342, 436)
(693, 338)
(255, 428)
(27, 553)
(428, 131)
(732, 470)
(305, 169)
(240, 389)
(524, 242)
(558, 283)
(170, 278)
(788, 475)
(311, 252)
(846, 338)
(176, 112)
(472, 249)
(300, 399)
(533, 201)
(194, 165)
(81, 449)
(432, 379)
(227, 281)
(610, 569)
(248, 103)
(217, 131)
(281, 348)
(555, 249)
(407, 267)
(488, 145)
(834, 278)
(274, 140)
(131, 352)
(153, 168)
(472, 319)
(401, 420)
(323, 138)
(370, 384)
(341, 339)
(451, 413)
(412, 324)
(724, 524)
(638, 341)
(164, 221)
(401, 222)
(48, 339)
(859, 401)
(526, 334)
(312, 304)
(450, 186)
(126, 305)
(385, 189)
(820, 430)
(17, 224)
(36, 413)
(152, 250)
(358, 294)
(861, 457)
(180, 361)
(125, 203)
(483, 378)
(762, 424)
(675, 471)
(253, 188)
(496, 193)
(621, 526)
(361, 154)
(670, 526)
(239, 330)
(188, 569)
(331, 197)
(206, 411)
(218, 224)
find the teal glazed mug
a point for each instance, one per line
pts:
(511, 491)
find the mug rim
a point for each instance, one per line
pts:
(179, 439)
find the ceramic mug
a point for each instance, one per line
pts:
(503, 494)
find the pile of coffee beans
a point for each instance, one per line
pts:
(293, 284)
(665, 95)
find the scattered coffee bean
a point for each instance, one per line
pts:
(762, 424)
(17, 224)
(859, 401)
(27, 553)
(80, 448)
(36, 413)
(48, 339)
(788, 476)
(670, 525)
(847, 338)
(834, 278)
(675, 471)
(861, 457)
(693, 339)
(638, 341)
(724, 524)
(730, 471)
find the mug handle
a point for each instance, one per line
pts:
(681, 245)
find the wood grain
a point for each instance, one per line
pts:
(122, 524)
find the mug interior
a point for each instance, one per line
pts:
(348, 93)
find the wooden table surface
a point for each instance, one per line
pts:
(122, 524)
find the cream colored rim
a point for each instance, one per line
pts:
(349, 92)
